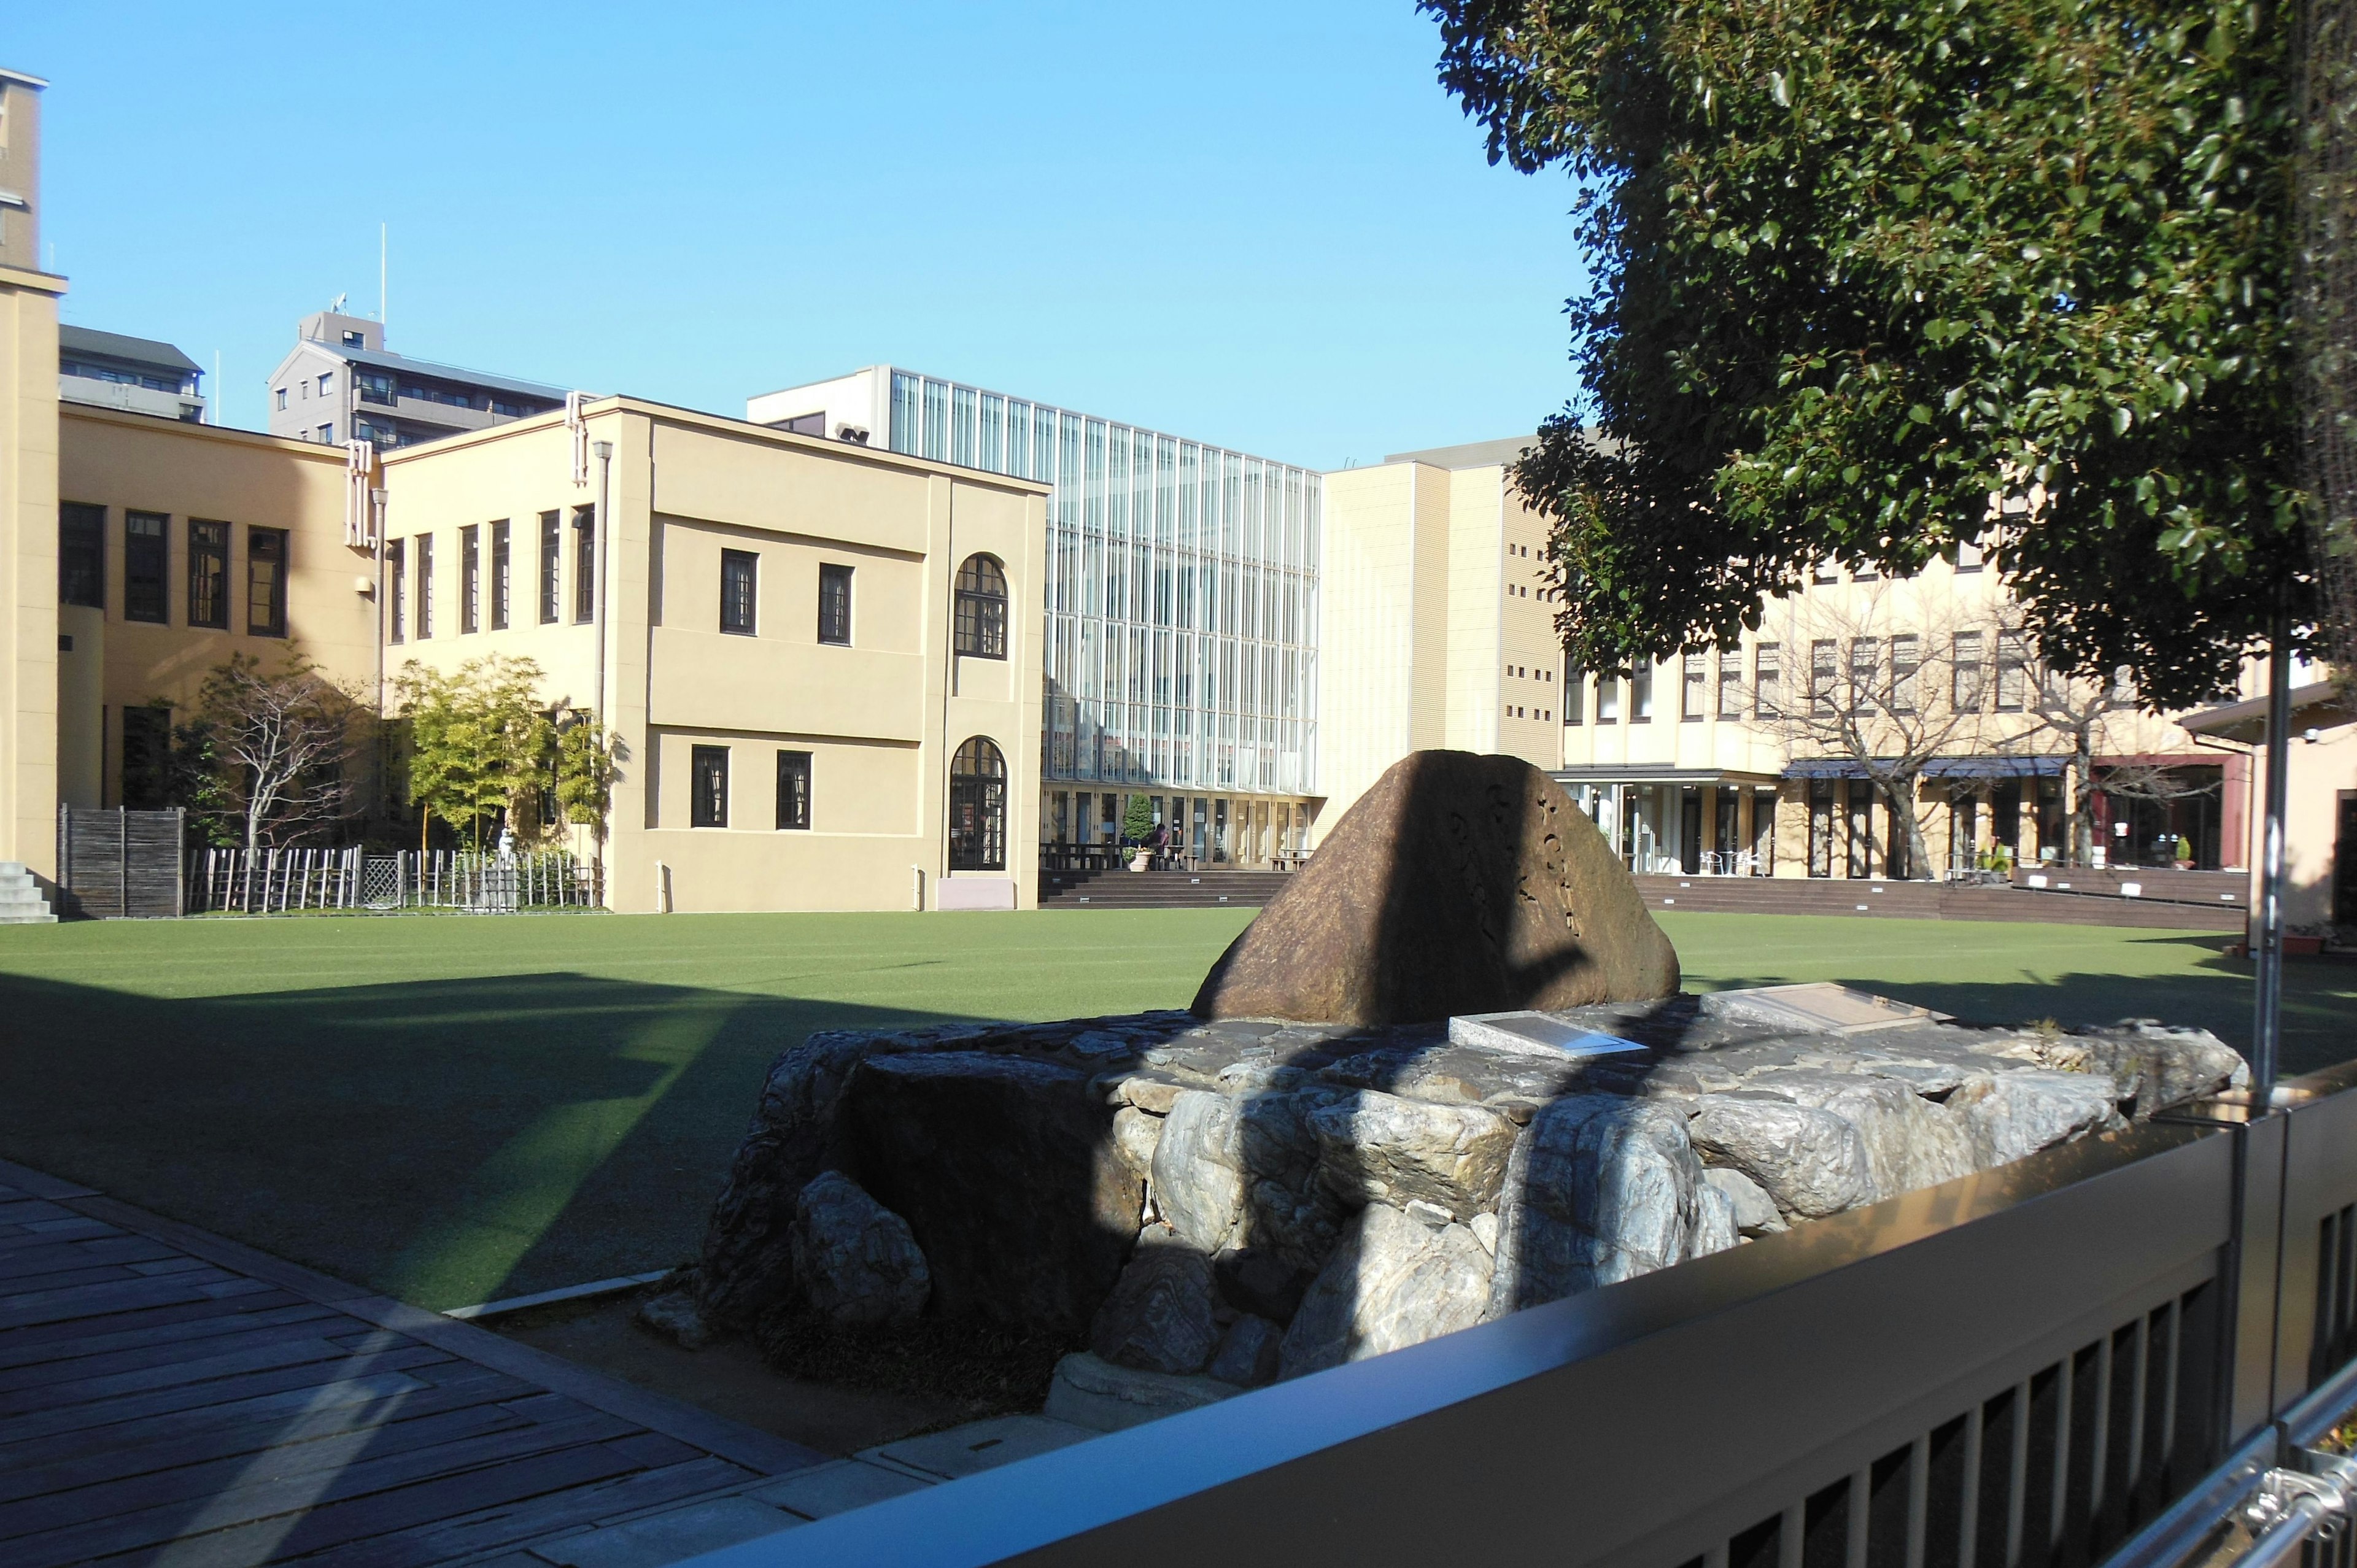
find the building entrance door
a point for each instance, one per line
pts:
(2344, 865)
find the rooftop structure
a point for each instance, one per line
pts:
(341, 384)
(138, 375)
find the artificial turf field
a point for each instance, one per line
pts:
(456, 1109)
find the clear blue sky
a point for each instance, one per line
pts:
(1261, 225)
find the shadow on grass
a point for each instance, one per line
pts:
(443, 1141)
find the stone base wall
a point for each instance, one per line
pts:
(1214, 1206)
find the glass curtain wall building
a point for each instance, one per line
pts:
(1181, 614)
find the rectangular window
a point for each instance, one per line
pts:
(1766, 682)
(1826, 572)
(1865, 674)
(793, 789)
(1824, 669)
(501, 575)
(1906, 659)
(282, 397)
(1640, 694)
(145, 551)
(327, 435)
(835, 603)
(375, 386)
(425, 587)
(1730, 682)
(739, 578)
(552, 560)
(1969, 692)
(1968, 558)
(325, 382)
(585, 564)
(708, 787)
(146, 752)
(396, 566)
(81, 554)
(1694, 696)
(265, 582)
(209, 574)
(1574, 692)
(1608, 699)
(470, 580)
(2012, 669)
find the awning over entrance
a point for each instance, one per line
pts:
(1938, 767)
(2323, 705)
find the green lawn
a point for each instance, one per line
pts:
(456, 1109)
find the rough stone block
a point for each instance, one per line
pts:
(1094, 1393)
(1600, 1189)
(854, 1258)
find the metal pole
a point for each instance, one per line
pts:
(2266, 1023)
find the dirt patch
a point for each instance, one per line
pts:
(827, 1407)
(989, 1371)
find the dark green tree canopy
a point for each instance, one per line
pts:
(1860, 265)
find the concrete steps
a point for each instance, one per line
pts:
(22, 903)
(1928, 901)
(1160, 889)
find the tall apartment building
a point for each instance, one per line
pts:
(339, 383)
(1181, 607)
(29, 491)
(138, 375)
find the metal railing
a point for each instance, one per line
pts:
(2093, 1351)
(290, 880)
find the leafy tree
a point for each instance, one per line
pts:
(269, 754)
(479, 744)
(1137, 823)
(585, 771)
(1860, 265)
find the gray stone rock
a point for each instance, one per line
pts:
(1811, 1162)
(1910, 1141)
(1756, 1213)
(1135, 1134)
(1381, 1148)
(1092, 1392)
(1199, 1169)
(855, 1261)
(1601, 1189)
(1714, 1228)
(1158, 1317)
(1262, 1282)
(1005, 1171)
(1393, 1281)
(675, 1314)
(1247, 1355)
(1299, 1225)
(2018, 1113)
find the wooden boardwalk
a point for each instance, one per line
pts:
(169, 1397)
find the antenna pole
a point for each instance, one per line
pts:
(383, 271)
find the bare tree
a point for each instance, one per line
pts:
(1887, 684)
(2072, 718)
(283, 746)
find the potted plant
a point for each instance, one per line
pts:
(1138, 825)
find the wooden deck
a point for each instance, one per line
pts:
(170, 1397)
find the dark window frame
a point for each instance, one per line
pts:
(470, 580)
(502, 574)
(978, 806)
(585, 564)
(794, 791)
(981, 607)
(835, 604)
(424, 605)
(707, 787)
(396, 560)
(208, 545)
(81, 554)
(265, 592)
(740, 593)
(551, 567)
(147, 567)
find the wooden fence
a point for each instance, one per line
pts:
(277, 882)
(116, 864)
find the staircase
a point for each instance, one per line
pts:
(1160, 889)
(1928, 901)
(21, 900)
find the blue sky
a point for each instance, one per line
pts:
(1260, 225)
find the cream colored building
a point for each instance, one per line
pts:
(28, 492)
(768, 622)
(1439, 632)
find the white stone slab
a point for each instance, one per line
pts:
(1535, 1034)
(1819, 1007)
(982, 1445)
(848, 1484)
(974, 893)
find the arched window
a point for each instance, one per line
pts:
(982, 608)
(978, 808)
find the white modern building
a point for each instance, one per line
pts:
(1181, 613)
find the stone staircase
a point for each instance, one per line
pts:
(1160, 889)
(22, 903)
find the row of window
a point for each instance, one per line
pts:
(485, 596)
(740, 598)
(1883, 672)
(146, 568)
(978, 799)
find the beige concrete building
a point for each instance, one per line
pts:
(28, 492)
(1439, 631)
(2319, 807)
